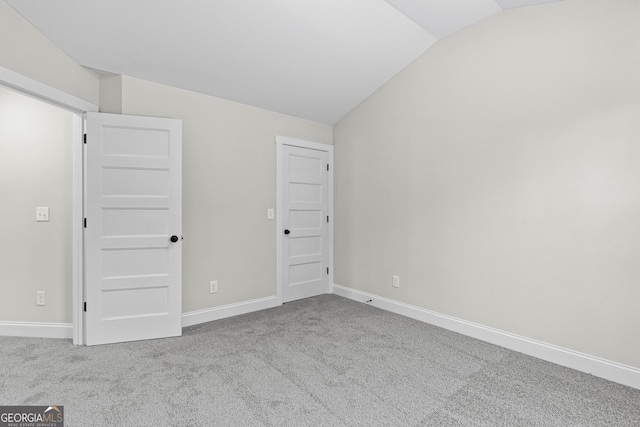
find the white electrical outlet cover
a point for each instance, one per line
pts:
(396, 282)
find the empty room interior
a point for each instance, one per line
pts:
(343, 212)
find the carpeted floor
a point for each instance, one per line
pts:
(324, 361)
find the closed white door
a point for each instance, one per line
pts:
(305, 222)
(133, 210)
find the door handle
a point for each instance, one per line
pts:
(174, 239)
(286, 232)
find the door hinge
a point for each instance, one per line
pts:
(85, 306)
(85, 138)
(327, 218)
(327, 164)
(327, 270)
(85, 223)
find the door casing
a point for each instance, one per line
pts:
(281, 141)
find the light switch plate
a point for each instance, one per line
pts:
(42, 214)
(270, 213)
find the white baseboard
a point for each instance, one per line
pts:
(602, 368)
(65, 330)
(37, 330)
(207, 315)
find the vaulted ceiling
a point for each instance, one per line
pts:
(315, 59)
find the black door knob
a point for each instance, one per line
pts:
(174, 239)
(286, 232)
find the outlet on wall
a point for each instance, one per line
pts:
(395, 282)
(213, 286)
(40, 298)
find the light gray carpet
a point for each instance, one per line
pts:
(324, 361)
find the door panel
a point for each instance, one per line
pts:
(305, 206)
(135, 222)
(133, 206)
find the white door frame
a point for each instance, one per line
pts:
(79, 107)
(280, 142)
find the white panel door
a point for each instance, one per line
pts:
(305, 223)
(133, 230)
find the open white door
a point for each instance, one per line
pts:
(304, 181)
(133, 229)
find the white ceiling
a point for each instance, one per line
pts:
(315, 59)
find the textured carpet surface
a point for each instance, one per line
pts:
(324, 361)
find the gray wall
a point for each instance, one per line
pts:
(35, 170)
(498, 176)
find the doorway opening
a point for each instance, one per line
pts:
(76, 107)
